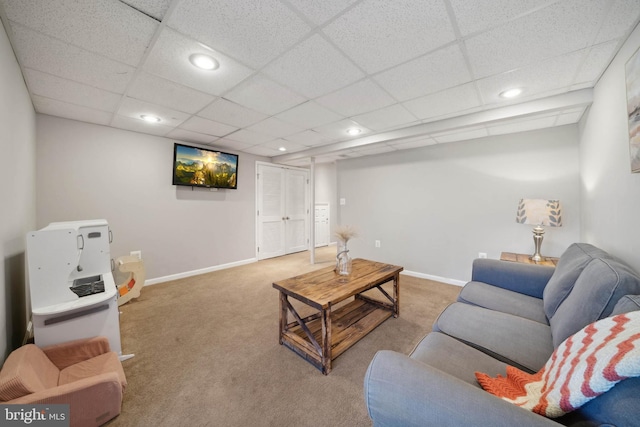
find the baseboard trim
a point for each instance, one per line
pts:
(177, 276)
(436, 278)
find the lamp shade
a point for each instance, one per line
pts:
(539, 212)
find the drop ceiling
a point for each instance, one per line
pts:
(297, 74)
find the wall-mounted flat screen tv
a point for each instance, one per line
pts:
(199, 167)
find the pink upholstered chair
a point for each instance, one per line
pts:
(85, 374)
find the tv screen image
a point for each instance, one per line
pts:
(199, 167)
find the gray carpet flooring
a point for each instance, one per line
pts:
(207, 353)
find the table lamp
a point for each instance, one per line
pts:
(539, 212)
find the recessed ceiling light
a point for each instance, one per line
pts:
(204, 62)
(511, 93)
(282, 149)
(149, 118)
(353, 131)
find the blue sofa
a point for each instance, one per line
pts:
(508, 314)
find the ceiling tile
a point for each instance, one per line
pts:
(72, 92)
(561, 28)
(313, 68)
(309, 115)
(264, 95)
(379, 34)
(150, 88)
(338, 130)
(537, 79)
(228, 112)
(209, 127)
(227, 144)
(189, 136)
(309, 138)
(454, 100)
(476, 15)
(385, 118)
(57, 108)
(321, 11)
(357, 98)
(101, 27)
(52, 56)
(622, 16)
(134, 108)
(249, 137)
(169, 58)
(596, 62)
(141, 126)
(275, 127)
(252, 31)
(259, 150)
(290, 147)
(154, 8)
(431, 73)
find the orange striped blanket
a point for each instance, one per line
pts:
(583, 367)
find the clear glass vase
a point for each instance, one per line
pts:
(343, 261)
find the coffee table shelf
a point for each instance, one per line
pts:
(326, 334)
(349, 324)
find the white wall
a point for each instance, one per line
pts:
(86, 171)
(435, 208)
(17, 192)
(610, 193)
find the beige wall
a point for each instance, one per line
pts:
(435, 208)
(17, 192)
(610, 193)
(86, 171)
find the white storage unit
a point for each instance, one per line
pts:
(73, 294)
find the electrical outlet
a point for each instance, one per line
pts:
(377, 243)
(136, 254)
(482, 255)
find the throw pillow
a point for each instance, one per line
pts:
(583, 367)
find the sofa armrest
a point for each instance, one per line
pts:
(528, 279)
(92, 401)
(69, 353)
(77, 391)
(400, 391)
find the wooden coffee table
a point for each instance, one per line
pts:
(325, 335)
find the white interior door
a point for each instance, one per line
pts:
(322, 224)
(283, 213)
(271, 205)
(297, 211)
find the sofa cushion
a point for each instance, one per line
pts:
(27, 370)
(626, 304)
(570, 266)
(456, 358)
(594, 295)
(584, 366)
(517, 341)
(506, 301)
